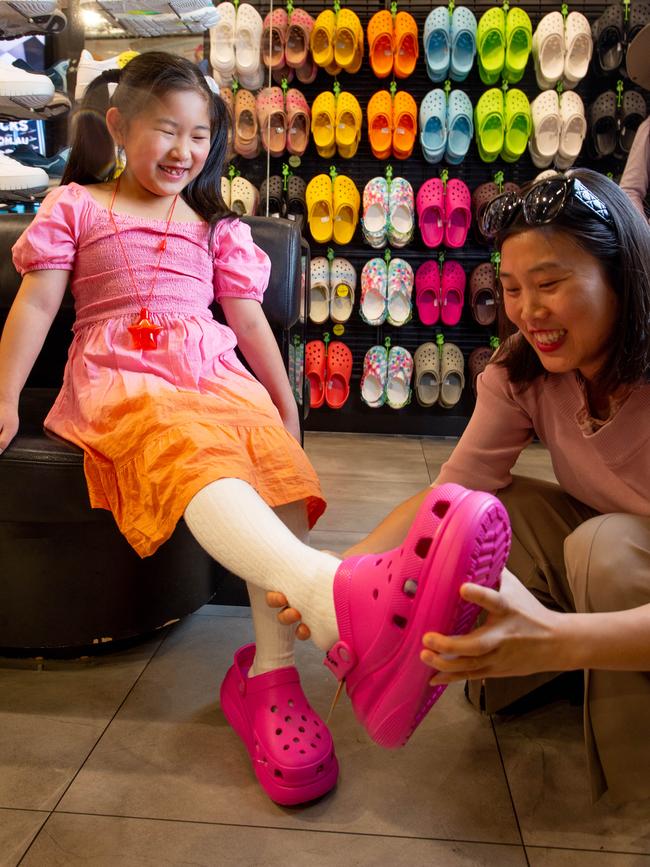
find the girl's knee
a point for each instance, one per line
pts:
(607, 562)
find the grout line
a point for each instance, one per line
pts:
(97, 742)
(300, 830)
(510, 795)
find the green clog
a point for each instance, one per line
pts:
(519, 41)
(489, 123)
(491, 44)
(518, 125)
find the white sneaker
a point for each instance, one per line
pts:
(16, 177)
(21, 88)
(89, 68)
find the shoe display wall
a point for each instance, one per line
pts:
(383, 134)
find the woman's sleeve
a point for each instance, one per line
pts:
(241, 268)
(498, 431)
(50, 240)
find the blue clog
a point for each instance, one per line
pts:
(437, 43)
(433, 125)
(460, 127)
(463, 43)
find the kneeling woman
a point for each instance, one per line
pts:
(575, 274)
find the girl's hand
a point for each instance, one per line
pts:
(520, 636)
(8, 424)
(291, 420)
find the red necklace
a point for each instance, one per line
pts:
(143, 331)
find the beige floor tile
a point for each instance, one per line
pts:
(72, 841)
(534, 461)
(50, 719)
(544, 757)
(17, 830)
(580, 858)
(170, 754)
(334, 540)
(360, 456)
(357, 505)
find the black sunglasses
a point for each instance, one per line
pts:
(541, 204)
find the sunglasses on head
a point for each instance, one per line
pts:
(541, 204)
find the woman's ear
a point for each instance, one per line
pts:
(115, 124)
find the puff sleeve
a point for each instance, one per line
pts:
(241, 268)
(50, 240)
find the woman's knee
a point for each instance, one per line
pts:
(608, 562)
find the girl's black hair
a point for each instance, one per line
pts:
(148, 75)
(624, 253)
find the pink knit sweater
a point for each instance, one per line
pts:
(608, 469)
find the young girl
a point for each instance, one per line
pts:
(173, 425)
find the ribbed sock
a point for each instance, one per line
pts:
(237, 528)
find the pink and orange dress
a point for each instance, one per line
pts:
(158, 425)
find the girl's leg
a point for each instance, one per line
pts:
(234, 525)
(608, 564)
(368, 612)
(274, 643)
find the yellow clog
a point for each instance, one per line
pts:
(349, 120)
(346, 209)
(318, 196)
(322, 38)
(348, 27)
(323, 119)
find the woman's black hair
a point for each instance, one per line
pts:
(146, 76)
(624, 253)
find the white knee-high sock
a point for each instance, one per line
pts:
(234, 525)
(274, 643)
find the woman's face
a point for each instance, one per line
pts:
(559, 298)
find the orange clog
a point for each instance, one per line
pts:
(405, 124)
(315, 358)
(339, 371)
(406, 44)
(381, 43)
(380, 124)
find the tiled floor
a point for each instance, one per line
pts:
(127, 760)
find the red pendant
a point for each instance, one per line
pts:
(144, 332)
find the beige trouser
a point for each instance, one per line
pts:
(574, 559)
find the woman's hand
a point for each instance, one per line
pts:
(288, 616)
(8, 423)
(519, 636)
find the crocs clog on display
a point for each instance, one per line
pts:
(320, 208)
(315, 371)
(483, 293)
(460, 127)
(427, 374)
(399, 290)
(373, 379)
(519, 38)
(349, 121)
(380, 124)
(319, 290)
(437, 43)
(427, 292)
(374, 222)
(573, 129)
(343, 284)
(518, 125)
(398, 378)
(433, 125)
(452, 375)
(339, 371)
(401, 212)
(374, 291)
(323, 124)
(381, 43)
(405, 125)
(463, 43)
(491, 44)
(431, 212)
(490, 124)
(452, 292)
(407, 48)
(346, 202)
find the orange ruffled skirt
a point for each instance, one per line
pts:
(155, 430)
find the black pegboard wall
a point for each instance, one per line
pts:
(413, 419)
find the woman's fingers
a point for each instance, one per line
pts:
(276, 600)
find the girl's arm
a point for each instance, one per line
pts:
(520, 636)
(26, 328)
(260, 349)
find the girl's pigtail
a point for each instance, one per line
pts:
(92, 152)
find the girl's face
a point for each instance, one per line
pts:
(167, 144)
(559, 298)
